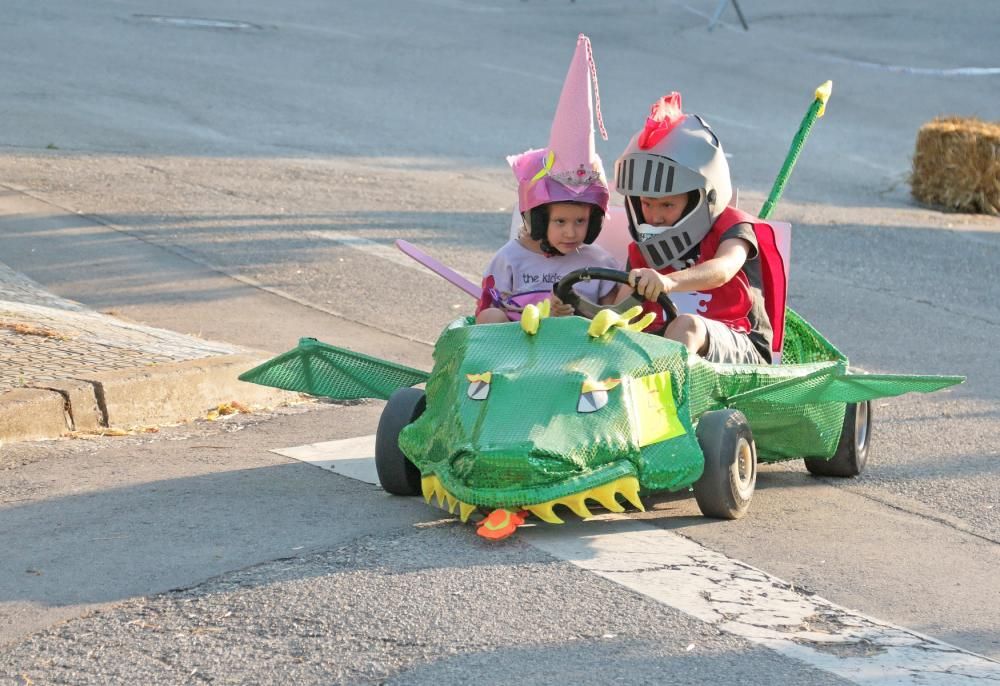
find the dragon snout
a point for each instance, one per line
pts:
(526, 466)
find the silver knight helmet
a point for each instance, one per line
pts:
(674, 154)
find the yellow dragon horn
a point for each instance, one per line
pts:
(607, 319)
(530, 318)
(533, 315)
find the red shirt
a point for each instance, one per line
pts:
(737, 303)
(728, 303)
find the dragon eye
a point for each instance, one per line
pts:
(592, 401)
(594, 394)
(479, 385)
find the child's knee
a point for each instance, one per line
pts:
(492, 315)
(683, 325)
(689, 330)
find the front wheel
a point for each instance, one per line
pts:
(396, 473)
(727, 484)
(852, 451)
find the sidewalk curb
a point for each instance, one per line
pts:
(168, 393)
(30, 413)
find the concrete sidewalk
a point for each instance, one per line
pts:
(65, 368)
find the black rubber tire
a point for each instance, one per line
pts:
(726, 487)
(396, 473)
(852, 451)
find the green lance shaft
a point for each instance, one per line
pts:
(816, 110)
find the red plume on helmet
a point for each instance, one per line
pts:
(664, 115)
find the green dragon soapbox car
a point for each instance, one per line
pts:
(524, 417)
(528, 416)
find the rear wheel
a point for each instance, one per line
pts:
(727, 484)
(396, 473)
(852, 451)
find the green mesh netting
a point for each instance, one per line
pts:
(325, 370)
(525, 441)
(798, 142)
(839, 387)
(780, 432)
(802, 343)
(796, 409)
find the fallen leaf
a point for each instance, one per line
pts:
(32, 330)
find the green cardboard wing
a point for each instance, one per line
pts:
(830, 384)
(320, 369)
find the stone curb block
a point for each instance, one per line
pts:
(169, 393)
(84, 414)
(32, 413)
(180, 391)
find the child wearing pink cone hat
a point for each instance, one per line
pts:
(563, 197)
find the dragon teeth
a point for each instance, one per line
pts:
(464, 510)
(578, 505)
(433, 489)
(544, 512)
(631, 493)
(606, 495)
(428, 485)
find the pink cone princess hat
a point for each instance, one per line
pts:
(569, 169)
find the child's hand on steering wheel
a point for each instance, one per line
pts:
(559, 308)
(648, 283)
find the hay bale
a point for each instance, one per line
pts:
(957, 165)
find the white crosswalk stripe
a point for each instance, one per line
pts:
(721, 591)
(351, 457)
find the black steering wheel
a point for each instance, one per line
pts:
(585, 308)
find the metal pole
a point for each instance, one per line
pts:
(740, 13)
(718, 14)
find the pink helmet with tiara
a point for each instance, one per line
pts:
(569, 169)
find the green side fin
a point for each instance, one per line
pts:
(319, 369)
(830, 385)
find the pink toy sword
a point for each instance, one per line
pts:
(446, 273)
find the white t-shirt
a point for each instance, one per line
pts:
(515, 270)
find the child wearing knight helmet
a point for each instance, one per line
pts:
(563, 197)
(685, 237)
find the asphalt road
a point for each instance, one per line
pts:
(245, 182)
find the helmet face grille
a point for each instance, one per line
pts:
(654, 257)
(654, 176)
(681, 243)
(672, 246)
(666, 249)
(659, 184)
